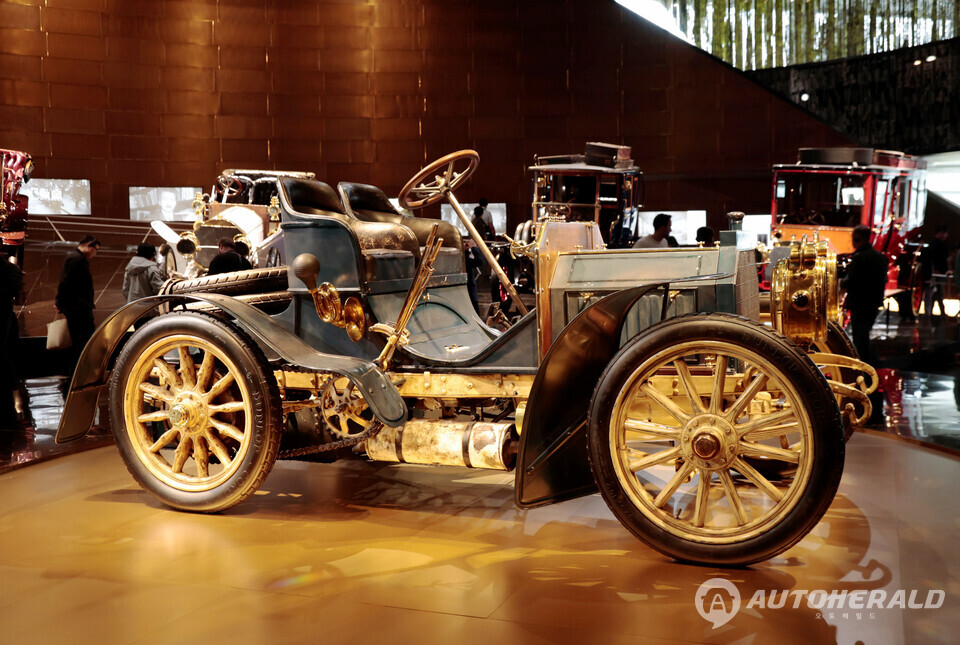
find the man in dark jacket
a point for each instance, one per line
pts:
(75, 295)
(934, 260)
(227, 260)
(865, 280)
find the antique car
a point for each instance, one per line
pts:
(16, 169)
(242, 206)
(832, 190)
(640, 373)
(603, 185)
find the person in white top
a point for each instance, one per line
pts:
(657, 239)
(487, 216)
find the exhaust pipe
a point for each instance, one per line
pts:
(471, 444)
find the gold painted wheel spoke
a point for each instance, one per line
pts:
(164, 440)
(672, 408)
(206, 369)
(650, 428)
(220, 386)
(719, 380)
(653, 459)
(759, 450)
(182, 454)
(170, 376)
(157, 392)
(229, 430)
(736, 410)
(673, 485)
(778, 431)
(159, 415)
(731, 491)
(696, 403)
(229, 406)
(758, 480)
(218, 449)
(201, 457)
(768, 426)
(188, 369)
(703, 498)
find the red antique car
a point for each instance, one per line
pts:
(832, 190)
(16, 170)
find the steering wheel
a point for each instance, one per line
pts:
(443, 179)
(231, 185)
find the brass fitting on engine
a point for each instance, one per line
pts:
(805, 292)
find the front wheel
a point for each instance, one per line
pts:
(195, 412)
(715, 440)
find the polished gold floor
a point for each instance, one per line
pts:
(356, 552)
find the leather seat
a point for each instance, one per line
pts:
(370, 204)
(390, 250)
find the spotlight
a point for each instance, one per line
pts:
(804, 97)
(917, 62)
(931, 58)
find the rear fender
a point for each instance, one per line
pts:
(277, 344)
(552, 464)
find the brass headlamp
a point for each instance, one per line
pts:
(348, 315)
(804, 293)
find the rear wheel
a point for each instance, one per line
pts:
(683, 423)
(195, 412)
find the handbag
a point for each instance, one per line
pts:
(58, 334)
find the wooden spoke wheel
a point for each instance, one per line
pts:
(195, 412)
(715, 440)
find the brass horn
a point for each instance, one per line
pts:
(326, 299)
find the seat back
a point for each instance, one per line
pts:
(370, 204)
(312, 197)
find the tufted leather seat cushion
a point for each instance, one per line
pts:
(370, 204)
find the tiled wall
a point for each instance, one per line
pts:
(151, 92)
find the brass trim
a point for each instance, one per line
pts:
(463, 386)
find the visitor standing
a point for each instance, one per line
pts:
(75, 295)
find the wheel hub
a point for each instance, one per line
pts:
(188, 413)
(709, 442)
(705, 445)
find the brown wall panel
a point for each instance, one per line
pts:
(167, 92)
(24, 16)
(24, 93)
(24, 42)
(188, 55)
(86, 97)
(71, 21)
(186, 102)
(16, 67)
(134, 123)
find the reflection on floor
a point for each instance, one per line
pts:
(356, 552)
(33, 440)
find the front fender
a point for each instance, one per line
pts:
(552, 464)
(276, 343)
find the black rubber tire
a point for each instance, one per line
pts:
(838, 342)
(813, 390)
(264, 401)
(236, 282)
